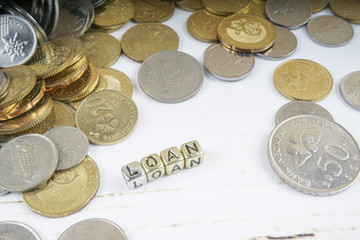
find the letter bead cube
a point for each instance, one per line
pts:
(173, 160)
(134, 175)
(153, 166)
(193, 154)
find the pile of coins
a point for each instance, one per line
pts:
(170, 161)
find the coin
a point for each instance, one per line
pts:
(4, 83)
(18, 41)
(301, 79)
(330, 30)
(154, 11)
(22, 81)
(314, 155)
(225, 7)
(114, 13)
(75, 44)
(297, 108)
(285, 45)
(67, 191)
(11, 230)
(107, 117)
(256, 8)
(189, 5)
(203, 25)
(347, 9)
(290, 14)
(98, 3)
(101, 49)
(226, 64)
(2, 191)
(350, 89)
(171, 76)
(246, 33)
(318, 5)
(143, 40)
(93, 229)
(27, 161)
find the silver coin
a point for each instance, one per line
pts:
(297, 108)
(5, 85)
(171, 76)
(330, 30)
(72, 145)
(314, 155)
(93, 229)
(26, 162)
(97, 3)
(226, 64)
(288, 13)
(11, 230)
(18, 41)
(350, 89)
(285, 45)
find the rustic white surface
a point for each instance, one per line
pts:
(235, 194)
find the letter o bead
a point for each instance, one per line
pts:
(134, 175)
(193, 153)
(153, 166)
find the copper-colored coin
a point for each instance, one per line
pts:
(143, 40)
(154, 11)
(75, 44)
(101, 49)
(67, 191)
(347, 9)
(226, 7)
(318, 5)
(29, 119)
(189, 5)
(114, 13)
(246, 33)
(80, 88)
(24, 104)
(22, 81)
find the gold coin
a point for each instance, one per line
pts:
(301, 79)
(257, 8)
(318, 5)
(153, 11)
(347, 9)
(50, 59)
(189, 5)
(101, 49)
(143, 40)
(68, 75)
(75, 44)
(107, 117)
(246, 33)
(29, 119)
(114, 13)
(80, 88)
(24, 104)
(225, 7)
(110, 79)
(22, 81)
(66, 192)
(203, 25)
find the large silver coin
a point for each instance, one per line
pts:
(18, 40)
(285, 45)
(330, 30)
(350, 89)
(93, 229)
(26, 162)
(72, 145)
(297, 108)
(171, 76)
(314, 155)
(288, 13)
(226, 64)
(11, 230)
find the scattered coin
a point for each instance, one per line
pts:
(27, 162)
(114, 13)
(152, 11)
(225, 7)
(75, 44)
(11, 230)
(350, 89)
(347, 9)
(318, 5)
(67, 191)
(314, 155)
(171, 76)
(189, 5)
(226, 64)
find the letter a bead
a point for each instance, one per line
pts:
(134, 175)
(173, 160)
(153, 166)
(193, 154)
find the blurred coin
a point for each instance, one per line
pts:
(11, 230)
(67, 191)
(189, 5)
(18, 41)
(98, 3)
(75, 44)
(114, 13)
(225, 7)
(318, 5)
(256, 8)
(226, 64)
(314, 155)
(350, 89)
(4, 83)
(347, 9)
(143, 40)
(297, 108)
(171, 76)
(290, 14)
(154, 11)
(330, 30)
(27, 161)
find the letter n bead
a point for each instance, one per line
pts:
(134, 175)
(173, 160)
(193, 154)
(153, 166)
